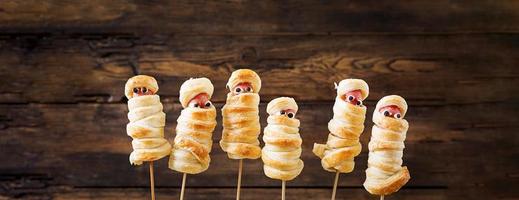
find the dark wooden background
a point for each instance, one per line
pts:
(63, 65)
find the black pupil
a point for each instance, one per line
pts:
(238, 89)
(397, 115)
(207, 104)
(386, 113)
(358, 103)
(144, 89)
(282, 112)
(248, 89)
(196, 105)
(350, 98)
(135, 90)
(290, 115)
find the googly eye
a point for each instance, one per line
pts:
(359, 103)
(398, 116)
(135, 90)
(282, 112)
(208, 104)
(291, 115)
(350, 98)
(238, 90)
(386, 113)
(249, 89)
(193, 104)
(144, 89)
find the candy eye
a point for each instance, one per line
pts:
(398, 116)
(238, 90)
(135, 90)
(249, 89)
(193, 104)
(359, 103)
(282, 112)
(350, 98)
(291, 115)
(208, 104)
(386, 113)
(144, 90)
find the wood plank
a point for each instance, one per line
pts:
(258, 17)
(84, 145)
(229, 193)
(427, 70)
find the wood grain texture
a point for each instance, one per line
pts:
(63, 65)
(83, 145)
(227, 193)
(424, 69)
(258, 17)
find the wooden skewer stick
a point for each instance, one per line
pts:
(152, 182)
(335, 185)
(183, 186)
(381, 197)
(282, 190)
(239, 180)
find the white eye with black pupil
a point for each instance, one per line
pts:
(350, 98)
(208, 104)
(135, 90)
(238, 90)
(398, 116)
(386, 113)
(249, 89)
(193, 104)
(144, 90)
(282, 112)
(290, 115)
(359, 103)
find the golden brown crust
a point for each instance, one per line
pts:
(335, 158)
(241, 150)
(391, 185)
(348, 85)
(197, 149)
(281, 103)
(192, 144)
(245, 76)
(195, 86)
(345, 128)
(393, 100)
(282, 151)
(146, 128)
(195, 125)
(140, 81)
(385, 175)
(241, 127)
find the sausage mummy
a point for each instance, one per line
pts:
(241, 126)
(385, 174)
(195, 125)
(345, 127)
(282, 151)
(147, 120)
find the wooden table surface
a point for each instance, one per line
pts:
(63, 66)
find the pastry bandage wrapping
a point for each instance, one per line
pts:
(240, 116)
(343, 142)
(346, 126)
(282, 151)
(146, 127)
(193, 142)
(385, 174)
(195, 126)
(241, 126)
